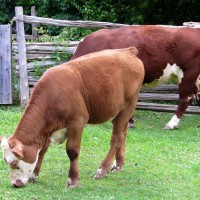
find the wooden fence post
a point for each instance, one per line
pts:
(5, 65)
(34, 25)
(23, 73)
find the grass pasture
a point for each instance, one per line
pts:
(160, 164)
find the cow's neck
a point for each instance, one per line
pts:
(32, 128)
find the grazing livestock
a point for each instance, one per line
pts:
(92, 89)
(166, 53)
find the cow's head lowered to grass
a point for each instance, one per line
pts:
(21, 169)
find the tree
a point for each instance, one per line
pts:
(119, 11)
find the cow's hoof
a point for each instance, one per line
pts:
(116, 168)
(100, 174)
(72, 184)
(170, 128)
(131, 125)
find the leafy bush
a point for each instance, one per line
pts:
(119, 11)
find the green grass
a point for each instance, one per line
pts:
(160, 164)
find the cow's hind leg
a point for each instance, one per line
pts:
(74, 132)
(120, 155)
(117, 144)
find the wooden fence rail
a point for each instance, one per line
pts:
(163, 93)
(82, 24)
(43, 54)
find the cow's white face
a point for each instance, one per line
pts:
(20, 171)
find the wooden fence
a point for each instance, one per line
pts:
(5, 65)
(30, 55)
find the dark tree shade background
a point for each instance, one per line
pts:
(117, 11)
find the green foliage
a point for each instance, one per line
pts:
(74, 33)
(160, 164)
(38, 70)
(57, 55)
(168, 12)
(61, 56)
(15, 82)
(116, 11)
(120, 11)
(7, 9)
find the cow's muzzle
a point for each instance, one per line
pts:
(18, 184)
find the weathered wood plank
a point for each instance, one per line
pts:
(51, 48)
(36, 56)
(24, 88)
(165, 107)
(28, 37)
(5, 65)
(172, 88)
(34, 25)
(78, 23)
(32, 81)
(158, 96)
(67, 43)
(69, 23)
(47, 48)
(42, 63)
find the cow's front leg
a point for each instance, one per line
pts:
(39, 162)
(185, 96)
(182, 106)
(73, 150)
(120, 154)
(173, 123)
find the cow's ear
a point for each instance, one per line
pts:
(0, 139)
(133, 50)
(18, 151)
(17, 148)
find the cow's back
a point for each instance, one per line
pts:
(110, 81)
(104, 82)
(157, 45)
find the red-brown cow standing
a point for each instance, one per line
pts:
(91, 89)
(166, 53)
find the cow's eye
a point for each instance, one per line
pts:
(14, 164)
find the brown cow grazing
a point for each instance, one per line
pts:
(166, 53)
(91, 89)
